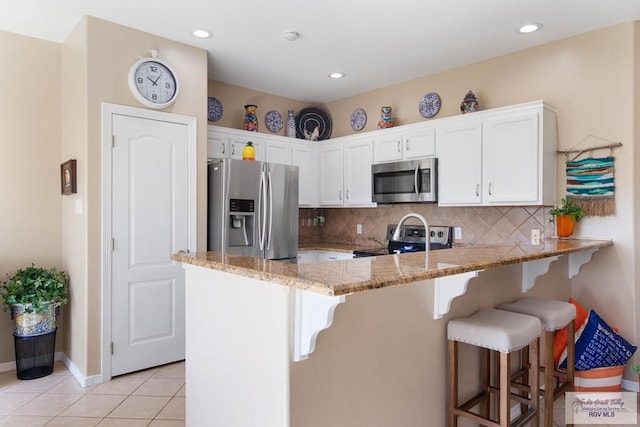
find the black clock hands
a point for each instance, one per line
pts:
(155, 82)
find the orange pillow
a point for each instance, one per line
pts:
(560, 337)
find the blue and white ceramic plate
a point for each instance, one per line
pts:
(273, 119)
(358, 119)
(214, 109)
(429, 105)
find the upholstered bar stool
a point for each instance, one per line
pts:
(502, 332)
(553, 315)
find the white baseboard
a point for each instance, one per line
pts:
(83, 380)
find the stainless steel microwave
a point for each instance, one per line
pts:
(409, 181)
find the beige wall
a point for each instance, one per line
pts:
(98, 57)
(29, 162)
(233, 99)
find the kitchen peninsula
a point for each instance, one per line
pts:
(347, 343)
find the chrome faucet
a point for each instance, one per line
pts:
(396, 234)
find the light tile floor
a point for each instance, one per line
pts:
(154, 397)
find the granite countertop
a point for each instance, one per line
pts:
(343, 277)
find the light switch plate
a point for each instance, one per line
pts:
(358, 228)
(457, 233)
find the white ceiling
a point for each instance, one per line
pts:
(376, 43)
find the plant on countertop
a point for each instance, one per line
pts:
(35, 287)
(636, 369)
(568, 208)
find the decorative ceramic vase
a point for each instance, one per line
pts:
(250, 118)
(27, 322)
(385, 118)
(469, 104)
(291, 124)
(564, 226)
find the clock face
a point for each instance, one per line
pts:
(153, 83)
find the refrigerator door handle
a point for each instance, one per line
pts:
(270, 187)
(261, 215)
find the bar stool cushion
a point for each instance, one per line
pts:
(498, 330)
(553, 314)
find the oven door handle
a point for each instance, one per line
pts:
(415, 180)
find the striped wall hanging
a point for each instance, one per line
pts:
(591, 181)
(590, 184)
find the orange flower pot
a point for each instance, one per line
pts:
(564, 226)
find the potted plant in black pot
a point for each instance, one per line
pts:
(34, 295)
(565, 217)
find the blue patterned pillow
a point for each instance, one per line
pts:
(599, 346)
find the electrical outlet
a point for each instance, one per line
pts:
(535, 237)
(358, 228)
(457, 233)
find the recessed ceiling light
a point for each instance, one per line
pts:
(202, 34)
(530, 28)
(337, 75)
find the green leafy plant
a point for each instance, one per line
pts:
(34, 287)
(636, 369)
(568, 208)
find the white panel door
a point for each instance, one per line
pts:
(149, 223)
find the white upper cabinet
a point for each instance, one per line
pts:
(305, 156)
(331, 174)
(228, 143)
(460, 163)
(500, 157)
(345, 172)
(358, 158)
(277, 151)
(413, 141)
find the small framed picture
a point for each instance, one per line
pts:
(68, 177)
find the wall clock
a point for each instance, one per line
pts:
(153, 83)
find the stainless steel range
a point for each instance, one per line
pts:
(412, 239)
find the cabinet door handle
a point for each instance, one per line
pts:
(347, 194)
(223, 148)
(490, 190)
(399, 146)
(233, 150)
(477, 190)
(407, 145)
(340, 195)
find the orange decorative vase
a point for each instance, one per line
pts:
(564, 226)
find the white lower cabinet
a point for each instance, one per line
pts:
(313, 257)
(500, 157)
(345, 172)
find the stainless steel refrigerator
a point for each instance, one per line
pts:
(253, 208)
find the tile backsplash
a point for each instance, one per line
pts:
(480, 225)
